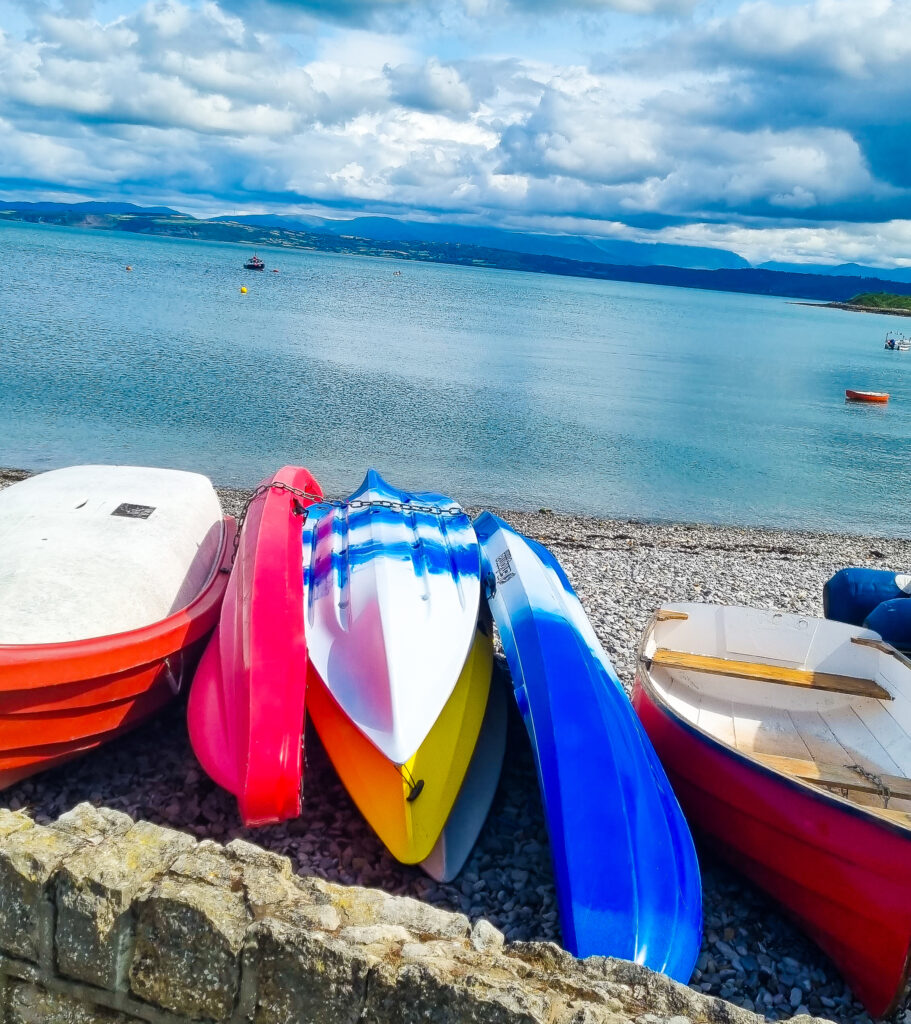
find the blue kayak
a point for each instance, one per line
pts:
(626, 871)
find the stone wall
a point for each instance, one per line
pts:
(103, 919)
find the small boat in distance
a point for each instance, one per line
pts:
(866, 396)
(254, 263)
(897, 344)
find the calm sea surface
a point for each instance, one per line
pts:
(518, 390)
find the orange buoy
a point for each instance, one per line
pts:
(129, 267)
(880, 397)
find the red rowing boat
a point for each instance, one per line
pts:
(878, 397)
(786, 740)
(95, 559)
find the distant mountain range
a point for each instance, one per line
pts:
(88, 208)
(571, 247)
(607, 259)
(841, 270)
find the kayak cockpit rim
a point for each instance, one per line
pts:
(822, 780)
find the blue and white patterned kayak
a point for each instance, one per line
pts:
(391, 599)
(626, 872)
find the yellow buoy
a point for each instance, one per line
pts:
(243, 290)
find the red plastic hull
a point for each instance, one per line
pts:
(60, 700)
(844, 876)
(247, 702)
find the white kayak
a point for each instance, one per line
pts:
(92, 551)
(391, 598)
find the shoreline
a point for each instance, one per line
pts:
(622, 570)
(852, 308)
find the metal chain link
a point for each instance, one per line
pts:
(877, 781)
(395, 506)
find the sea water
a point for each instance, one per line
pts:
(500, 388)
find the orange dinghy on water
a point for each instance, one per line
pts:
(879, 397)
(111, 580)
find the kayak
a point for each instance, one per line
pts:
(407, 805)
(625, 868)
(866, 396)
(111, 579)
(787, 740)
(247, 703)
(391, 592)
(464, 824)
(852, 594)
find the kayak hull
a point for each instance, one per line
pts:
(392, 592)
(408, 805)
(625, 867)
(247, 703)
(464, 824)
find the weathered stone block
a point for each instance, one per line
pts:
(93, 823)
(29, 856)
(95, 890)
(372, 906)
(31, 1004)
(307, 977)
(186, 957)
(445, 993)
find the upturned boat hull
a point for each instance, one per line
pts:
(625, 867)
(247, 703)
(408, 805)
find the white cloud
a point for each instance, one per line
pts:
(756, 118)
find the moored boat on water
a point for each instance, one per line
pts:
(111, 580)
(787, 741)
(876, 397)
(254, 263)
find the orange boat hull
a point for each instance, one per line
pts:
(60, 700)
(878, 397)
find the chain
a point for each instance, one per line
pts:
(394, 506)
(877, 781)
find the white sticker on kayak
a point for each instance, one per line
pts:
(903, 582)
(505, 570)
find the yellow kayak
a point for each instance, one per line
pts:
(407, 805)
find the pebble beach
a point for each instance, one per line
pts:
(622, 570)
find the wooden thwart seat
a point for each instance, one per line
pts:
(760, 672)
(836, 775)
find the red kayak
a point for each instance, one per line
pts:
(878, 397)
(246, 709)
(783, 738)
(113, 578)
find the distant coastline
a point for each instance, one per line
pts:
(753, 281)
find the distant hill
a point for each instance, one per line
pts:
(841, 270)
(99, 208)
(278, 232)
(573, 247)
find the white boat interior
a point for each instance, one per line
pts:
(96, 550)
(823, 702)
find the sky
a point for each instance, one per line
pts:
(775, 128)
